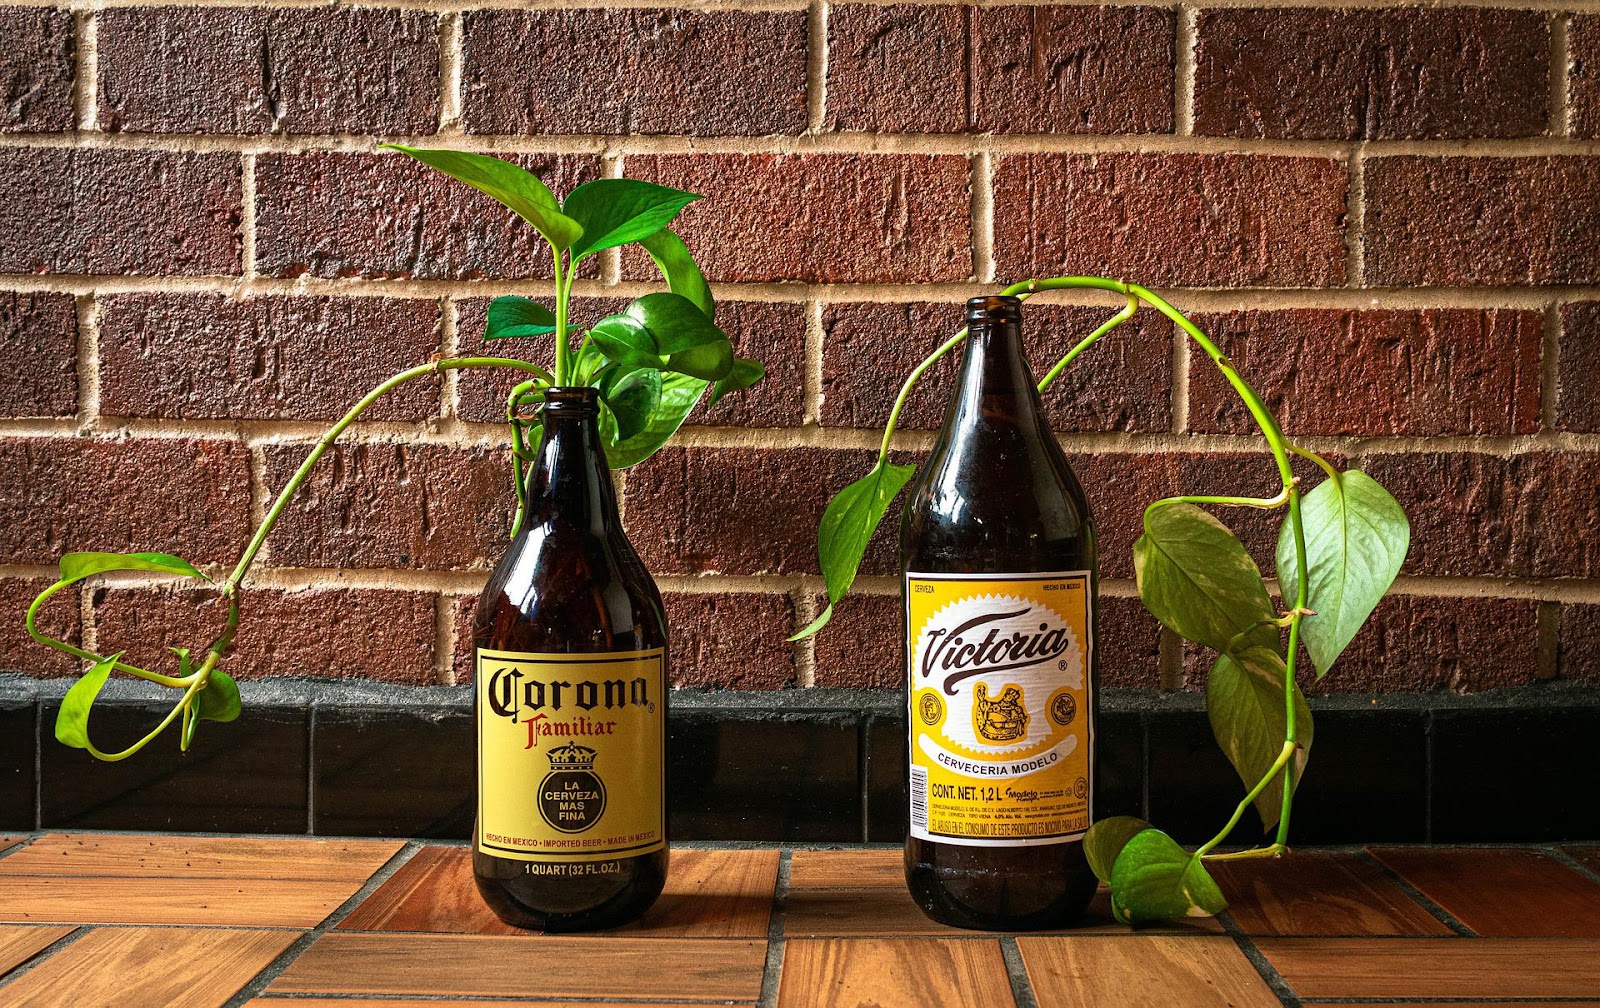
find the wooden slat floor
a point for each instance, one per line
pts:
(150, 920)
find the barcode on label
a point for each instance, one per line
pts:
(919, 798)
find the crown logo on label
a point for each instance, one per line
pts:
(572, 756)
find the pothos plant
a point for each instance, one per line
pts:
(1339, 548)
(651, 363)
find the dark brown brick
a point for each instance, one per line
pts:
(1580, 643)
(463, 664)
(64, 210)
(742, 510)
(392, 505)
(699, 73)
(1331, 371)
(886, 218)
(1472, 220)
(1372, 74)
(897, 69)
(773, 333)
(869, 348)
(59, 618)
(730, 640)
(38, 355)
(1413, 644)
(207, 356)
(1071, 69)
(1130, 644)
(387, 216)
(333, 633)
(1583, 74)
(1578, 378)
(1177, 219)
(254, 70)
(170, 495)
(863, 646)
(36, 69)
(1528, 515)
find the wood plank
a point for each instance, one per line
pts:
(251, 902)
(1437, 967)
(149, 967)
(1502, 893)
(1143, 970)
(895, 973)
(847, 869)
(149, 856)
(299, 1002)
(20, 942)
(709, 894)
(1319, 894)
(397, 965)
(847, 913)
(8, 842)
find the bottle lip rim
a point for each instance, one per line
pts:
(990, 308)
(571, 398)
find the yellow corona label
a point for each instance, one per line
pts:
(1001, 736)
(570, 750)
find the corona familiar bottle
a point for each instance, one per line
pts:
(570, 699)
(998, 554)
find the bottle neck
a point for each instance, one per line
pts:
(996, 382)
(570, 480)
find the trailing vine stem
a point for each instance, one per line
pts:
(1281, 449)
(195, 681)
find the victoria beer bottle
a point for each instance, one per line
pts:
(570, 699)
(998, 553)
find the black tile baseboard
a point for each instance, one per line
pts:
(806, 766)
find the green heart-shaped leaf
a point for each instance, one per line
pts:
(1196, 578)
(632, 398)
(72, 721)
(1356, 539)
(1155, 879)
(615, 212)
(682, 273)
(679, 393)
(674, 321)
(77, 566)
(1244, 698)
(1105, 841)
(742, 374)
(511, 185)
(219, 701)
(625, 341)
(511, 317)
(846, 528)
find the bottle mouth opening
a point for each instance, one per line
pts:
(571, 399)
(992, 308)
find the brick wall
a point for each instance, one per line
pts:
(1389, 216)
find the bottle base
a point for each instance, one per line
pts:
(557, 905)
(1017, 890)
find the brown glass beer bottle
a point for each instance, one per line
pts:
(998, 554)
(570, 699)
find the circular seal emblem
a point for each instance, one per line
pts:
(1080, 788)
(572, 797)
(1063, 709)
(930, 709)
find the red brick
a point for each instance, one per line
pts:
(330, 633)
(1583, 74)
(820, 218)
(898, 69)
(65, 210)
(699, 73)
(1580, 643)
(206, 356)
(38, 355)
(730, 640)
(1578, 377)
(1331, 371)
(743, 510)
(1071, 69)
(1472, 220)
(1176, 219)
(171, 495)
(387, 216)
(1529, 515)
(59, 618)
(773, 333)
(463, 664)
(1413, 644)
(392, 505)
(36, 69)
(1372, 74)
(869, 349)
(863, 646)
(254, 70)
